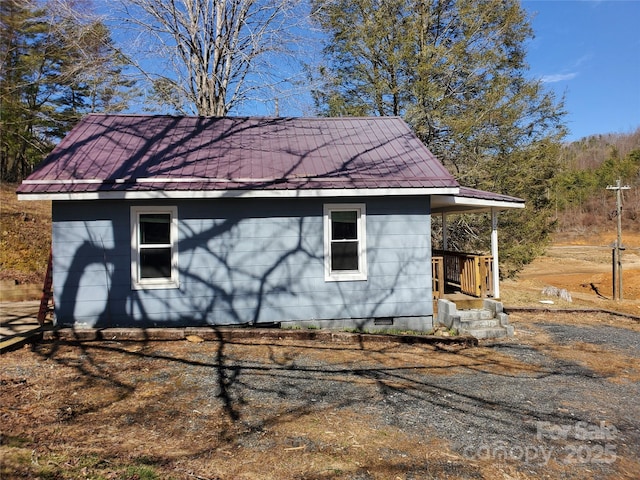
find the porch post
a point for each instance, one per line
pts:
(494, 253)
(445, 236)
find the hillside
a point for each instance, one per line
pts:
(583, 204)
(25, 237)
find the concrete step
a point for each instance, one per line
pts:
(475, 314)
(484, 323)
(488, 321)
(495, 332)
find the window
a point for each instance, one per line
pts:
(154, 256)
(344, 242)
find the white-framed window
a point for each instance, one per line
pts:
(345, 249)
(154, 247)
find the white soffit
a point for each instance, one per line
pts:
(457, 204)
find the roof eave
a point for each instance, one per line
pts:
(211, 194)
(456, 204)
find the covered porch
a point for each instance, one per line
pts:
(468, 274)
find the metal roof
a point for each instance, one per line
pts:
(137, 153)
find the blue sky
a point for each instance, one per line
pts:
(586, 50)
(589, 51)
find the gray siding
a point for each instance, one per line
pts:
(241, 261)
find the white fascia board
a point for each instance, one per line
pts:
(200, 194)
(462, 203)
(478, 202)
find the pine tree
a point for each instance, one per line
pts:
(18, 102)
(58, 63)
(455, 70)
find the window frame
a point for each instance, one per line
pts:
(137, 282)
(361, 222)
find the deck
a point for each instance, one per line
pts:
(18, 323)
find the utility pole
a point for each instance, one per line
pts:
(617, 255)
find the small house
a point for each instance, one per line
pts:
(195, 221)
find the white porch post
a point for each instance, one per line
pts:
(494, 253)
(445, 236)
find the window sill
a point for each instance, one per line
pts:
(345, 277)
(155, 285)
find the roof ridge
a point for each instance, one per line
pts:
(249, 117)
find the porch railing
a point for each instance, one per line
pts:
(470, 274)
(437, 274)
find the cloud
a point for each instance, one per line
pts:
(583, 59)
(558, 77)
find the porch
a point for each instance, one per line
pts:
(464, 295)
(468, 275)
(466, 286)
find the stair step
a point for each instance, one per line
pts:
(480, 333)
(467, 304)
(487, 320)
(475, 314)
(485, 323)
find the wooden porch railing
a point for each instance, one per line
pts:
(437, 274)
(471, 274)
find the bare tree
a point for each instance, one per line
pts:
(219, 53)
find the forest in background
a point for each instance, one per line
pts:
(583, 205)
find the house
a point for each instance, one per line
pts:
(175, 221)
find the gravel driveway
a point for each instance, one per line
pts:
(560, 400)
(561, 410)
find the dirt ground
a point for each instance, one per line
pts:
(282, 409)
(581, 266)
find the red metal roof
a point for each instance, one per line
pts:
(467, 192)
(113, 153)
